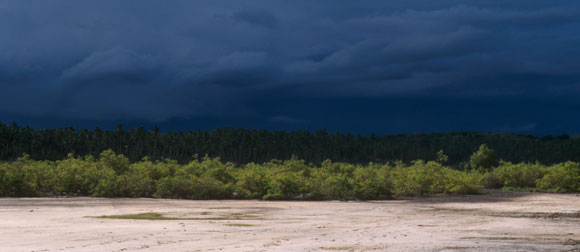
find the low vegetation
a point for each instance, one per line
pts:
(141, 216)
(239, 225)
(158, 216)
(113, 175)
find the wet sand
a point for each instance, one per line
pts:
(496, 222)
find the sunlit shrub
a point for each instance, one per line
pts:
(426, 178)
(519, 175)
(78, 176)
(251, 182)
(176, 187)
(16, 180)
(462, 183)
(564, 177)
(191, 187)
(484, 159)
(284, 185)
(372, 182)
(119, 163)
(112, 175)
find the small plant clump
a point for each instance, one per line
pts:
(158, 216)
(239, 225)
(140, 216)
(113, 175)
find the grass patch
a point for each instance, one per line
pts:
(158, 216)
(339, 248)
(538, 215)
(243, 216)
(141, 216)
(457, 247)
(239, 225)
(353, 248)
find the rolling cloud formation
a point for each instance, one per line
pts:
(160, 60)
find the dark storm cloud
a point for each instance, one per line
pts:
(257, 17)
(159, 60)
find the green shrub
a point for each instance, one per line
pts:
(76, 176)
(251, 182)
(487, 179)
(462, 183)
(109, 184)
(519, 175)
(484, 159)
(372, 182)
(563, 177)
(176, 187)
(191, 187)
(113, 175)
(119, 163)
(416, 180)
(284, 185)
(330, 181)
(17, 179)
(422, 179)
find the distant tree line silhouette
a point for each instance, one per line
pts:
(242, 146)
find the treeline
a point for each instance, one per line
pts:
(243, 146)
(113, 175)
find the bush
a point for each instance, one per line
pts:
(177, 187)
(488, 180)
(17, 179)
(251, 182)
(284, 185)
(417, 179)
(462, 183)
(519, 175)
(372, 182)
(113, 175)
(422, 179)
(76, 176)
(119, 163)
(483, 159)
(563, 177)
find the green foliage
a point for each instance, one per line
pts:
(429, 178)
(484, 159)
(284, 185)
(489, 180)
(119, 163)
(564, 177)
(18, 179)
(209, 179)
(461, 183)
(251, 182)
(441, 157)
(519, 175)
(112, 175)
(79, 176)
(372, 182)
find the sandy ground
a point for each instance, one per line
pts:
(497, 222)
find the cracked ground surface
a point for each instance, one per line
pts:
(493, 222)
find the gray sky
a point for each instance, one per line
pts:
(361, 66)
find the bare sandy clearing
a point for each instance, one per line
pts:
(516, 222)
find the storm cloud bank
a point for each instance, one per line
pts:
(277, 61)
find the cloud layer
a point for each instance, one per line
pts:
(157, 61)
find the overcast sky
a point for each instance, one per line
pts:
(353, 66)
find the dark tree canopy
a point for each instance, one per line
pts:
(243, 146)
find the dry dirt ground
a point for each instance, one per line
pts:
(496, 222)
